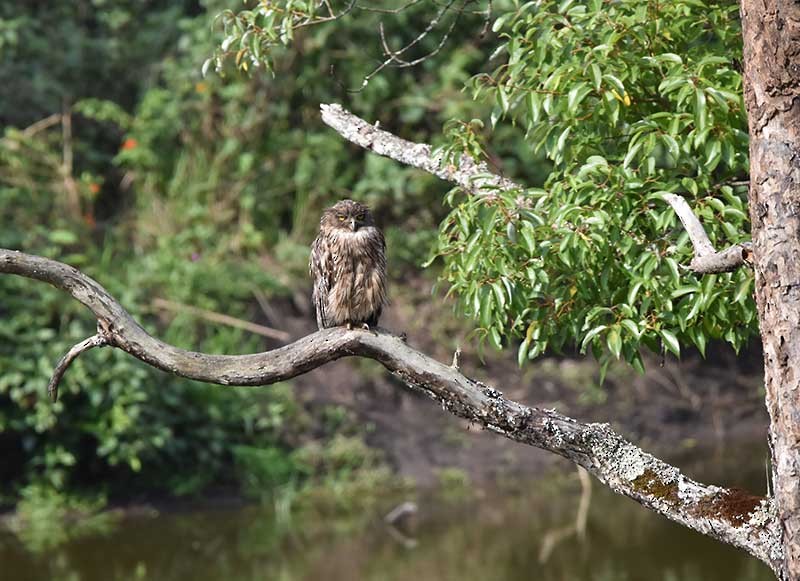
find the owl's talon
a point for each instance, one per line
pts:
(369, 329)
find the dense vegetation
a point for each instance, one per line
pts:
(629, 101)
(164, 177)
(121, 159)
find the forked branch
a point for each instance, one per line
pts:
(707, 260)
(728, 515)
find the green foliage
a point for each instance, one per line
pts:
(340, 476)
(628, 100)
(121, 158)
(118, 421)
(154, 223)
(454, 484)
(346, 476)
(203, 191)
(40, 509)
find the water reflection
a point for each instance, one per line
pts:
(495, 535)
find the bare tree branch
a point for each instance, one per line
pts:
(707, 260)
(389, 10)
(97, 340)
(728, 515)
(393, 56)
(470, 176)
(314, 20)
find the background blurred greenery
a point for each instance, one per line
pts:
(119, 158)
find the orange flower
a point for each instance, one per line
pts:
(94, 188)
(129, 143)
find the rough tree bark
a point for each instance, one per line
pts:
(726, 514)
(771, 30)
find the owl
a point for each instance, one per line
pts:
(348, 267)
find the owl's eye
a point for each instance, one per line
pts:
(360, 217)
(341, 217)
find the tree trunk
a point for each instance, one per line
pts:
(771, 30)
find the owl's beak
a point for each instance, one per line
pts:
(353, 224)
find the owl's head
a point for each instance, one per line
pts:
(347, 215)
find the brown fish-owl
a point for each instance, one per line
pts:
(348, 267)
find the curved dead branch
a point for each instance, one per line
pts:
(477, 178)
(97, 340)
(707, 260)
(728, 515)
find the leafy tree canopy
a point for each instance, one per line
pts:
(628, 101)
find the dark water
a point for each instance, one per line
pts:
(516, 532)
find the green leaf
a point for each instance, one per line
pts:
(673, 267)
(743, 290)
(495, 339)
(616, 83)
(498, 24)
(684, 290)
(499, 293)
(700, 341)
(670, 341)
(631, 154)
(631, 326)
(690, 185)
(614, 341)
(534, 106)
(522, 352)
(700, 109)
(576, 95)
(596, 75)
(591, 335)
(632, 292)
(672, 145)
(562, 140)
(670, 57)
(637, 363)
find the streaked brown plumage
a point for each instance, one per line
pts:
(348, 267)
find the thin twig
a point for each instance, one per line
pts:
(388, 10)
(439, 46)
(42, 124)
(386, 50)
(222, 319)
(73, 197)
(487, 21)
(314, 21)
(393, 54)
